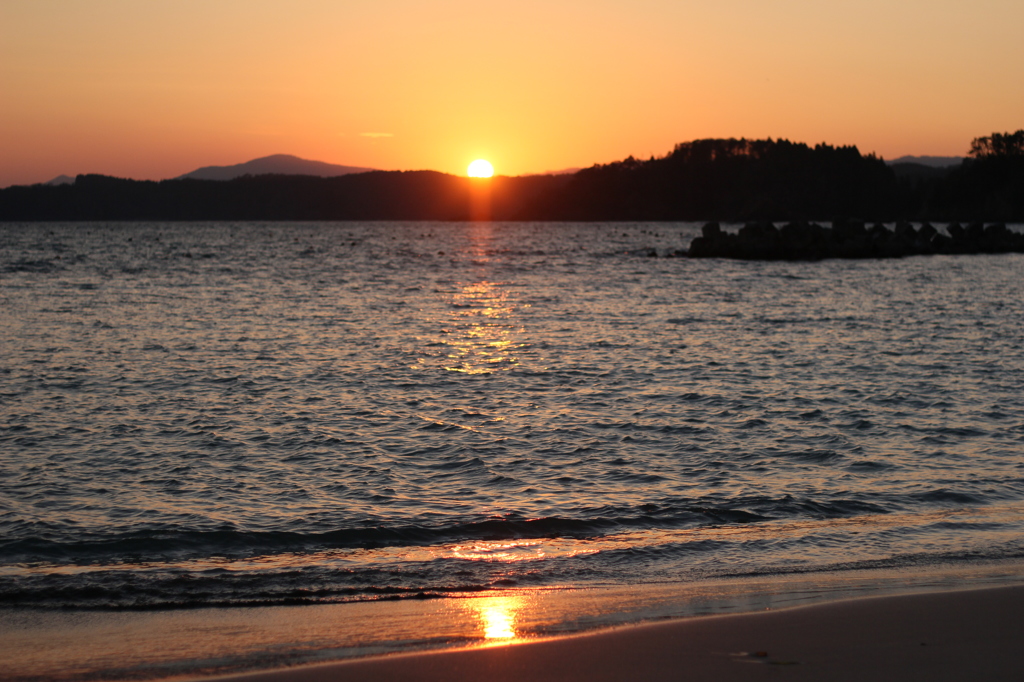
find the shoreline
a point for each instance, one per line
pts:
(277, 643)
(969, 633)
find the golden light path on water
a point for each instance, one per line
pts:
(481, 331)
(486, 342)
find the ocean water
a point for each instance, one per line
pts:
(265, 414)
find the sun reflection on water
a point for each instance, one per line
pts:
(482, 337)
(506, 552)
(497, 616)
(479, 331)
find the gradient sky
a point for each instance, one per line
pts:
(153, 88)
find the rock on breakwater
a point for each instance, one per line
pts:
(851, 239)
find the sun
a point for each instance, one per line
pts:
(480, 169)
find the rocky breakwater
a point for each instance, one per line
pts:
(851, 239)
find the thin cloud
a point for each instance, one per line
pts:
(376, 134)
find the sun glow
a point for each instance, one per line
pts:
(497, 616)
(480, 169)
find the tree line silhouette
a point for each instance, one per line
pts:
(713, 179)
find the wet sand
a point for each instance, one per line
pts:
(961, 635)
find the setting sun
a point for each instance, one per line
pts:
(480, 169)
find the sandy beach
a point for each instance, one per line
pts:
(960, 635)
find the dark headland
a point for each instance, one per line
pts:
(759, 182)
(851, 239)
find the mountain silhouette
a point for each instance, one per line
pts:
(277, 164)
(732, 180)
(930, 161)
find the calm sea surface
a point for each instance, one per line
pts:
(256, 414)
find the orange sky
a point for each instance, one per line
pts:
(156, 88)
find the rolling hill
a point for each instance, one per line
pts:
(277, 164)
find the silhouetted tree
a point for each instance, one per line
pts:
(733, 180)
(998, 144)
(988, 186)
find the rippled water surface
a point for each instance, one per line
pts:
(217, 414)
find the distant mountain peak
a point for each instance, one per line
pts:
(932, 161)
(61, 180)
(275, 164)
